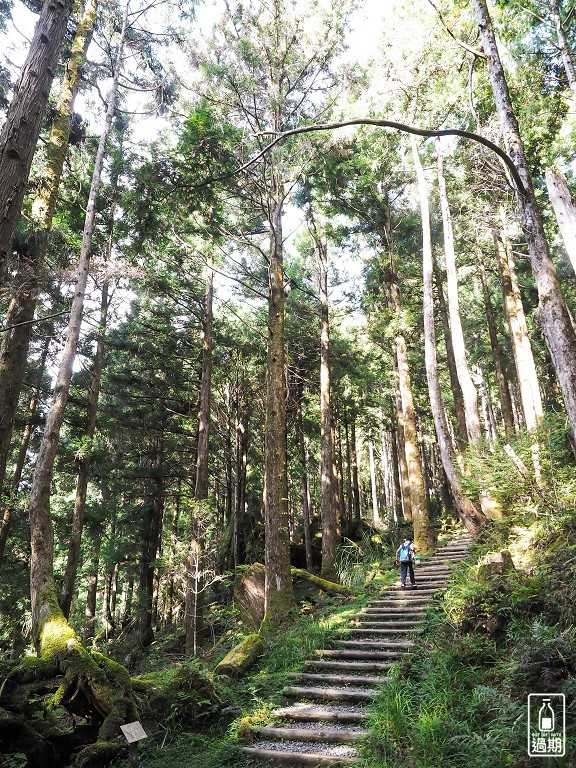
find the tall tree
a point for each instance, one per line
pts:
(45, 611)
(28, 281)
(273, 66)
(553, 315)
(469, 393)
(472, 518)
(24, 118)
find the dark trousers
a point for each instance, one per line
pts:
(404, 567)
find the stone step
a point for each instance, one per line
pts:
(366, 651)
(385, 624)
(322, 712)
(331, 693)
(360, 644)
(407, 596)
(348, 666)
(355, 680)
(322, 733)
(297, 759)
(376, 613)
(384, 632)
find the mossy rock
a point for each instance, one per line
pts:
(100, 754)
(184, 695)
(239, 660)
(307, 585)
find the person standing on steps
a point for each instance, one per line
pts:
(404, 555)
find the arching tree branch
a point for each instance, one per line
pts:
(385, 124)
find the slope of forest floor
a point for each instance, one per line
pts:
(460, 698)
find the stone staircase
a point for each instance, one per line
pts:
(330, 697)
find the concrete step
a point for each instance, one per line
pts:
(297, 759)
(322, 733)
(331, 693)
(322, 712)
(338, 680)
(349, 666)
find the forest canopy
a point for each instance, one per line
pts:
(275, 278)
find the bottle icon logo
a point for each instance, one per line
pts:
(546, 725)
(546, 717)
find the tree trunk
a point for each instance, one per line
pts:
(398, 515)
(279, 591)
(21, 128)
(169, 594)
(553, 316)
(469, 393)
(373, 486)
(91, 594)
(451, 361)
(305, 488)
(42, 589)
(28, 280)
(470, 516)
(329, 482)
(241, 429)
(404, 497)
(195, 581)
(23, 451)
(350, 505)
(521, 347)
(85, 459)
(564, 47)
(150, 536)
(503, 389)
(355, 483)
(565, 210)
(418, 506)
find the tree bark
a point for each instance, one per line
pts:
(373, 486)
(74, 545)
(28, 280)
(150, 535)
(469, 393)
(471, 517)
(304, 485)
(330, 516)
(279, 592)
(417, 490)
(564, 47)
(553, 316)
(195, 581)
(398, 512)
(21, 128)
(42, 588)
(521, 347)
(462, 437)
(497, 357)
(355, 484)
(23, 451)
(564, 209)
(404, 497)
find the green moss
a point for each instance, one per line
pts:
(241, 657)
(330, 587)
(99, 755)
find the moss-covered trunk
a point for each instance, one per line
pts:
(279, 592)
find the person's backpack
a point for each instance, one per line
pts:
(405, 553)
